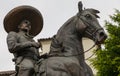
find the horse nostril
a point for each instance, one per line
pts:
(101, 37)
(101, 34)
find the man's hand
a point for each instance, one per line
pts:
(36, 44)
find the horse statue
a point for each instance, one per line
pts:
(66, 56)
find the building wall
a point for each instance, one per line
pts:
(45, 46)
(87, 43)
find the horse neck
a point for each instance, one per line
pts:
(73, 47)
(67, 42)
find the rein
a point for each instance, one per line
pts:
(75, 54)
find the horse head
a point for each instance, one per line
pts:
(88, 25)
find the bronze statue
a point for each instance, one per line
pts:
(22, 24)
(66, 57)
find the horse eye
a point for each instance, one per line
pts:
(88, 16)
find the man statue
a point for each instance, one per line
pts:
(20, 38)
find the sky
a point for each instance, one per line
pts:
(55, 13)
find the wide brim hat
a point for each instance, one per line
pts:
(20, 13)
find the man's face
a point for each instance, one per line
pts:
(25, 27)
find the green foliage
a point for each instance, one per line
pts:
(107, 60)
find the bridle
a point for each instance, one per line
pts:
(88, 31)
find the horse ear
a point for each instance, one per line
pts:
(80, 6)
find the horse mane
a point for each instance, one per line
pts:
(68, 22)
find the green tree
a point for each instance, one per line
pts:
(107, 60)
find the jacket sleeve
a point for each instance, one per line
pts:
(13, 45)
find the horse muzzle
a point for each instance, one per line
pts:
(100, 37)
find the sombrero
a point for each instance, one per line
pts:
(20, 13)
